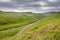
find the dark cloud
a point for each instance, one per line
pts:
(9, 5)
(33, 5)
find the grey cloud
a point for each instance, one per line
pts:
(6, 5)
(30, 5)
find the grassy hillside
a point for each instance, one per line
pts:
(11, 23)
(17, 19)
(46, 29)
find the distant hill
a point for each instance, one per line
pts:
(7, 18)
(50, 13)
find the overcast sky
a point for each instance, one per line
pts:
(30, 5)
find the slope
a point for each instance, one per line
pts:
(17, 19)
(46, 29)
(11, 23)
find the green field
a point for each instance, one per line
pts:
(46, 29)
(17, 19)
(13, 26)
(11, 23)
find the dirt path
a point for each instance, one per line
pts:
(24, 28)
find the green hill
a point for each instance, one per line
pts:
(11, 23)
(17, 19)
(8, 18)
(46, 29)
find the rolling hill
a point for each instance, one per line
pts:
(46, 29)
(11, 23)
(17, 19)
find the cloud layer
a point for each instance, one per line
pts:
(30, 5)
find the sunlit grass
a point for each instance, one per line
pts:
(33, 32)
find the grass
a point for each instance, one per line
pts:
(11, 23)
(43, 29)
(11, 20)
